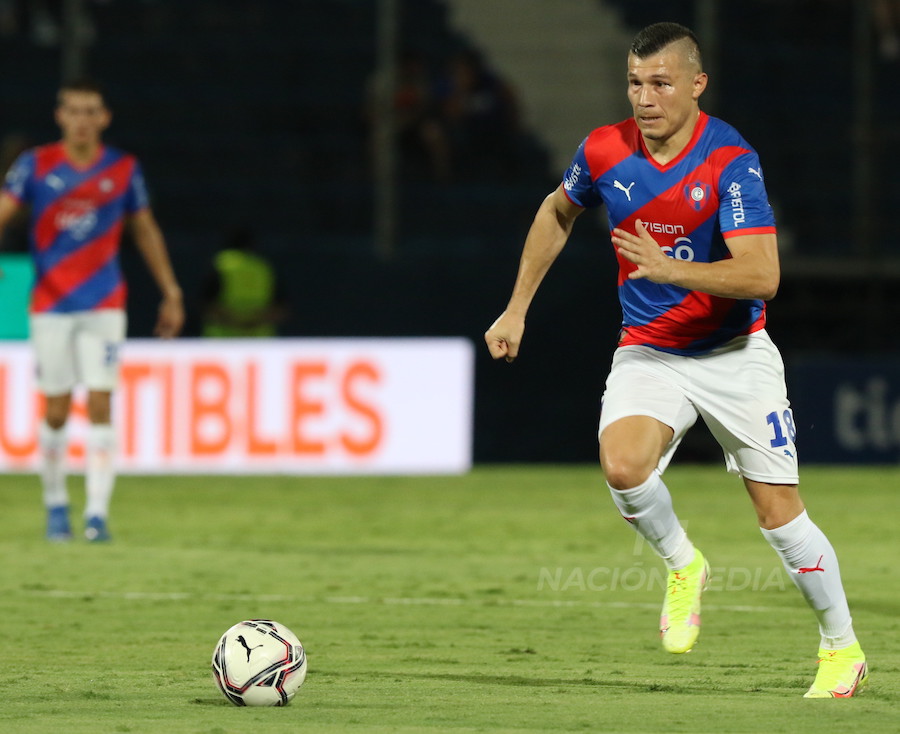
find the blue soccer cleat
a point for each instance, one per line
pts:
(95, 530)
(58, 528)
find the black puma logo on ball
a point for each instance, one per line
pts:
(247, 647)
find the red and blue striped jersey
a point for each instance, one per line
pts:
(711, 191)
(77, 216)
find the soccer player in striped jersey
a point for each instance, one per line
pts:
(81, 194)
(695, 240)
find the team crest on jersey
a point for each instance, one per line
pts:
(55, 182)
(697, 193)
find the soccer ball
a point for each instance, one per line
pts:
(259, 662)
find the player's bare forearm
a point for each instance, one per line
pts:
(739, 277)
(149, 240)
(546, 238)
(9, 206)
(753, 270)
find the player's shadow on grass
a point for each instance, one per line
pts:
(221, 701)
(786, 687)
(521, 680)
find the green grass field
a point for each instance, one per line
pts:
(511, 599)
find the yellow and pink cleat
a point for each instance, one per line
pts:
(842, 673)
(679, 624)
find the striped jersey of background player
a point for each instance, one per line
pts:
(81, 194)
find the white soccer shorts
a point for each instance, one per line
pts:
(738, 390)
(77, 348)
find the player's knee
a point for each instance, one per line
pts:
(55, 421)
(625, 470)
(778, 515)
(99, 407)
(630, 449)
(56, 411)
(99, 414)
(775, 504)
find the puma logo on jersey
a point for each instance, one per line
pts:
(617, 184)
(756, 172)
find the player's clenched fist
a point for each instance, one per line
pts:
(504, 337)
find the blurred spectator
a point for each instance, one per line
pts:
(421, 140)
(462, 124)
(887, 28)
(480, 113)
(9, 18)
(243, 297)
(44, 20)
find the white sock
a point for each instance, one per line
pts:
(813, 567)
(648, 507)
(99, 471)
(53, 444)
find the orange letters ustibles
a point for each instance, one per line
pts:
(205, 409)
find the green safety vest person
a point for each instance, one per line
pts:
(242, 301)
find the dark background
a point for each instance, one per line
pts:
(251, 114)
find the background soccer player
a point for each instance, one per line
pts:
(696, 245)
(81, 193)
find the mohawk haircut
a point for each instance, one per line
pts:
(656, 37)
